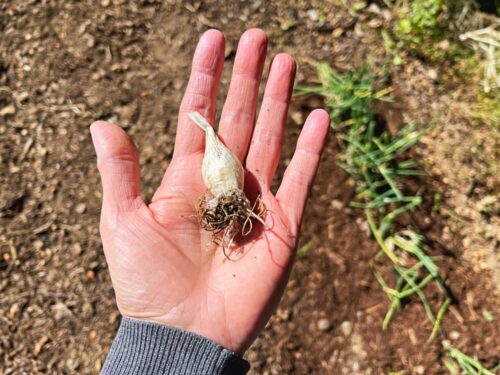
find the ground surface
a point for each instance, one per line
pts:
(64, 64)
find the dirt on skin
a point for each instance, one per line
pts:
(64, 64)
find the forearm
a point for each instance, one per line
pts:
(145, 348)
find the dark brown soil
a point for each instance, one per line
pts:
(64, 64)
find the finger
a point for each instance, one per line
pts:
(118, 165)
(267, 138)
(238, 114)
(201, 91)
(299, 175)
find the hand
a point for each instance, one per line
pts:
(160, 260)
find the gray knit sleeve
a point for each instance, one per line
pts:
(146, 348)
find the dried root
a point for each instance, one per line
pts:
(229, 216)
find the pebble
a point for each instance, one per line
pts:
(80, 208)
(98, 365)
(312, 14)
(90, 40)
(337, 32)
(297, 117)
(61, 311)
(76, 249)
(8, 110)
(324, 324)
(337, 204)
(38, 244)
(346, 328)
(113, 317)
(432, 74)
(444, 44)
(14, 310)
(228, 50)
(454, 335)
(419, 369)
(39, 344)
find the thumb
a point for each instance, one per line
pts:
(118, 165)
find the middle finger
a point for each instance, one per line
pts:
(238, 114)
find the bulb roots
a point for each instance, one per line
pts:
(229, 216)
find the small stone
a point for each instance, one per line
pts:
(324, 324)
(432, 74)
(178, 84)
(312, 14)
(419, 369)
(283, 314)
(444, 44)
(297, 117)
(113, 317)
(93, 335)
(38, 244)
(105, 3)
(346, 328)
(61, 311)
(98, 365)
(8, 110)
(373, 8)
(90, 40)
(337, 32)
(39, 344)
(72, 364)
(337, 204)
(80, 208)
(454, 335)
(14, 310)
(228, 50)
(76, 249)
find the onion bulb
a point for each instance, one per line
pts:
(224, 210)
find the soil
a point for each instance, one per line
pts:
(64, 64)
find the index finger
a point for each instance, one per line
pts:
(201, 92)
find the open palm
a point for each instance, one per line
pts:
(164, 267)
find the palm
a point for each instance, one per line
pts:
(164, 267)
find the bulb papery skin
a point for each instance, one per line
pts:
(221, 170)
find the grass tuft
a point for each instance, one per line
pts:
(458, 362)
(379, 165)
(430, 27)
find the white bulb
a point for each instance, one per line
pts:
(222, 171)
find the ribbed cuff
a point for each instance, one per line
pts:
(144, 348)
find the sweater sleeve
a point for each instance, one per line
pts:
(147, 348)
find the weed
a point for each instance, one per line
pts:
(302, 250)
(487, 315)
(457, 361)
(430, 27)
(377, 163)
(487, 108)
(354, 7)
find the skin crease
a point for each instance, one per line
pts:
(163, 266)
